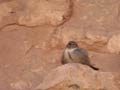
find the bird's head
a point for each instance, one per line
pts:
(71, 45)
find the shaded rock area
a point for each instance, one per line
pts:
(33, 35)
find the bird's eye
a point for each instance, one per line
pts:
(70, 43)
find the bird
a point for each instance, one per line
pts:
(74, 54)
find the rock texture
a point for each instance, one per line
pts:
(113, 44)
(8, 12)
(92, 24)
(21, 85)
(78, 77)
(33, 34)
(40, 12)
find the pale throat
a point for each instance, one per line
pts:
(70, 49)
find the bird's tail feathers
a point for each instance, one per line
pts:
(95, 68)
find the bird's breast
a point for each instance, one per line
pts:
(67, 54)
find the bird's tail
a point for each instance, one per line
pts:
(95, 68)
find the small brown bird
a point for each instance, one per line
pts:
(74, 54)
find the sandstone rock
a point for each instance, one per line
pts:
(105, 61)
(4, 11)
(114, 44)
(25, 51)
(96, 36)
(61, 37)
(92, 23)
(21, 85)
(89, 37)
(78, 77)
(8, 13)
(52, 12)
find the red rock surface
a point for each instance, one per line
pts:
(77, 77)
(33, 34)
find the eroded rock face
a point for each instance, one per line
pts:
(77, 77)
(39, 12)
(114, 44)
(92, 24)
(29, 28)
(7, 12)
(21, 85)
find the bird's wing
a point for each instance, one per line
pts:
(63, 61)
(82, 55)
